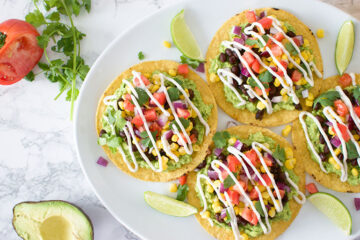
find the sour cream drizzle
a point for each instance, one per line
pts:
(352, 75)
(129, 131)
(288, 85)
(216, 165)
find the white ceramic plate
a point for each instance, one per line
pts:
(123, 195)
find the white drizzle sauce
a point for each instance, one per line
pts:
(352, 75)
(244, 197)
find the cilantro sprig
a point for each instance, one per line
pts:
(182, 192)
(220, 139)
(327, 98)
(61, 38)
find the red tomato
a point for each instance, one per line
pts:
(357, 110)
(155, 127)
(279, 36)
(150, 115)
(20, 52)
(252, 156)
(144, 80)
(268, 162)
(183, 69)
(296, 76)
(343, 130)
(242, 184)
(160, 97)
(250, 16)
(259, 91)
(224, 174)
(282, 193)
(250, 216)
(266, 179)
(341, 108)
(233, 163)
(183, 138)
(128, 105)
(249, 58)
(266, 22)
(284, 64)
(137, 121)
(193, 138)
(255, 66)
(127, 96)
(345, 80)
(234, 196)
(276, 50)
(296, 41)
(182, 179)
(183, 113)
(311, 187)
(254, 195)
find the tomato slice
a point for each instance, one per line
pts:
(150, 115)
(341, 108)
(137, 121)
(160, 97)
(249, 58)
(128, 105)
(279, 36)
(296, 76)
(311, 187)
(20, 53)
(255, 66)
(144, 80)
(345, 80)
(254, 195)
(343, 130)
(250, 216)
(183, 113)
(276, 50)
(252, 156)
(233, 163)
(250, 16)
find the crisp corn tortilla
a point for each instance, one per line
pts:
(148, 174)
(277, 227)
(329, 180)
(245, 116)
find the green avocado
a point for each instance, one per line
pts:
(51, 220)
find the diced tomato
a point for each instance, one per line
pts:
(254, 195)
(233, 163)
(252, 156)
(266, 179)
(183, 138)
(341, 108)
(296, 41)
(128, 105)
(250, 16)
(183, 113)
(266, 22)
(150, 115)
(249, 58)
(296, 76)
(282, 193)
(311, 188)
(255, 66)
(137, 121)
(193, 138)
(183, 69)
(343, 130)
(224, 174)
(160, 97)
(182, 179)
(155, 127)
(357, 110)
(259, 91)
(284, 64)
(278, 36)
(234, 196)
(144, 80)
(250, 216)
(268, 162)
(276, 50)
(242, 184)
(345, 80)
(127, 96)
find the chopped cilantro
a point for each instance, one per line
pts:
(141, 55)
(289, 27)
(182, 192)
(253, 83)
(146, 141)
(2, 39)
(174, 93)
(279, 153)
(183, 121)
(351, 150)
(142, 96)
(291, 49)
(356, 93)
(266, 77)
(252, 42)
(191, 62)
(228, 182)
(220, 139)
(327, 98)
(30, 76)
(259, 208)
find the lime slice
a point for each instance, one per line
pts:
(334, 209)
(183, 37)
(168, 205)
(344, 46)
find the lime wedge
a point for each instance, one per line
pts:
(168, 205)
(344, 46)
(183, 37)
(334, 209)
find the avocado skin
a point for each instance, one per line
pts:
(60, 202)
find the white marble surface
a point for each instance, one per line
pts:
(37, 155)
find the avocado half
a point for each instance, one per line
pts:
(51, 220)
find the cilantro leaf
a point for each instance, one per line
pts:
(252, 42)
(146, 141)
(183, 121)
(228, 182)
(266, 77)
(70, 93)
(356, 93)
(220, 139)
(291, 49)
(141, 55)
(174, 93)
(35, 18)
(253, 83)
(191, 62)
(2, 39)
(54, 16)
(259, 208)
(351, 150)
(327, 98)
(279, 153)
(182, 192)
(30, 76)
(142, 96)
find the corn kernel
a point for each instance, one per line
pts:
(193, 114)
(190, 127)
(217, 183)
(305, 55)
(214, 77)
(123, 114)
(205, 214)
(289, 152)
(173, 187)
(354, 172)
(232, 141)
(174, 138)
(266, 195)
(320, 33)
(332, 160)
(272, 212)
(153, 152)
(283, 92)
(337, 151)
(244, 236)
(182, 151)
(331, 132)
(172, 72)
(167, 44)
(155, 88)
(159, 144)
(241, 205)
(297, 60)
(286, 131)
(236, 210)
(284, 57)
(289, 164)
(196, 148)
(262, 169)
(166, 126)
(308, 103)
(291, 65)
(262, 188)
(121, 105)
(260, 105)
(311, 96)
(337, 166)
(174, 147)
(217, 209)
(356, 137)
(299, 82)
(209, 189)
(182, 97)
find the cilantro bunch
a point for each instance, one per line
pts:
(64, 39)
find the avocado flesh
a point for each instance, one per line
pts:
(51, 220)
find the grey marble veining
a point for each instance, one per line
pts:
(37, 154)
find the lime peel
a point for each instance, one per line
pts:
(344, 46)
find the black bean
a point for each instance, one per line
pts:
(290, 72)
(235, 84)
(191, 93)
(241, 221)
(222, 157)
(317, 106)
(102, 132)
(346, 92)
(194, 131)
(325, 128)
(321, 139)
(322, 157)
(223, 57)
(245, 148)
(235, 70)
(267, 31)
(233, 60)
(228, 52)
(340, 156)
(326, 149)
(201, 165)
(354, 162)
(134, 148)
(259, 114)
(320, 119)
(285, 199)
(290, 34)
(298, 107)
(256, 50)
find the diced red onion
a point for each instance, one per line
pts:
(276, 99)
(265, 54)
(162, 120)
(102, 161)
(357, 203)
(300, 39)
(239, 40)
(262, 14)
(238, 145)
(222, 189)
(213, 175)
(351, 123)
(179, 104)
(269, 156)
(168, 134)
(268, 207)
(335, 141)
(237, 30)
(223, 213)
(274, 69)
(329, 123)
(244, 36)
(283, 186)
(218, 151)
(273, 30)
(137, 133)
(245, 72)
(305, 93)
(200, 68)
